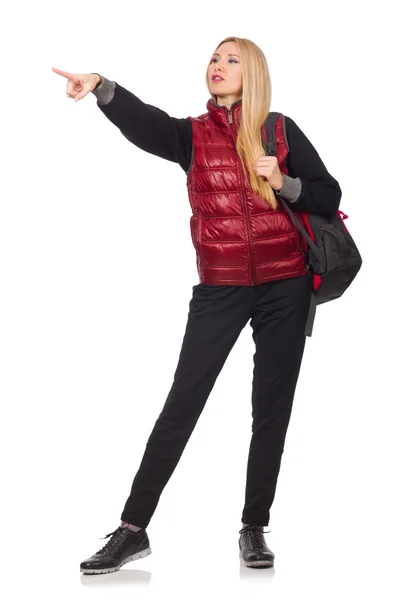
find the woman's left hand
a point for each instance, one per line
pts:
(267, 166)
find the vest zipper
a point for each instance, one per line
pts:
(230, 117)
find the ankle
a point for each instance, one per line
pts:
(130, 526)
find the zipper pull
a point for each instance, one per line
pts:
(230, 115)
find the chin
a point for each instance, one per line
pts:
(220, 92)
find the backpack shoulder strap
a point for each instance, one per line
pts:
(269, 133)
(270, 146)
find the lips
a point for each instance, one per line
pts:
(214, 77)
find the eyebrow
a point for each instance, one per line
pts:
(217, 54)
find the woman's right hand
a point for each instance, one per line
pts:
(78, 86)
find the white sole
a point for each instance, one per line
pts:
(259, 563)
(136, 556)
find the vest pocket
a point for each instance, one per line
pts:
(195, 229)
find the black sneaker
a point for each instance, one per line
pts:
(253, 548)
(123, 546)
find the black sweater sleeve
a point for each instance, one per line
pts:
(308, 186)
(150, 128)
(321, 193)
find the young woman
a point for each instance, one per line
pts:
(251, 262)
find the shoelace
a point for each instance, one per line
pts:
(255, 535)
(120, 532)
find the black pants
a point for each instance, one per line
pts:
(217, 315)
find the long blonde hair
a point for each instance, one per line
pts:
(254, 110)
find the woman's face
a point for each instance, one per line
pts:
(225, 62)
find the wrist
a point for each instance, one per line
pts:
(98, 80)
(277, 188)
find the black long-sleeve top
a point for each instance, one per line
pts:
(308, 186)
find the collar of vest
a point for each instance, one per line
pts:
(219, 114)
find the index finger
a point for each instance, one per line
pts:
(65, 74)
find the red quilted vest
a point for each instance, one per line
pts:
(239, 239)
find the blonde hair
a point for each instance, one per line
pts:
(254, 110)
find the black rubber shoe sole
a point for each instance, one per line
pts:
(135, 556)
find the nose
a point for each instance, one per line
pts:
(217, 66)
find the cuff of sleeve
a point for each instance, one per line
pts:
(291, 188)
(104, 92)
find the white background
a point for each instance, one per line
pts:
(96, 274)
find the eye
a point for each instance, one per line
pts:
(230, 59)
